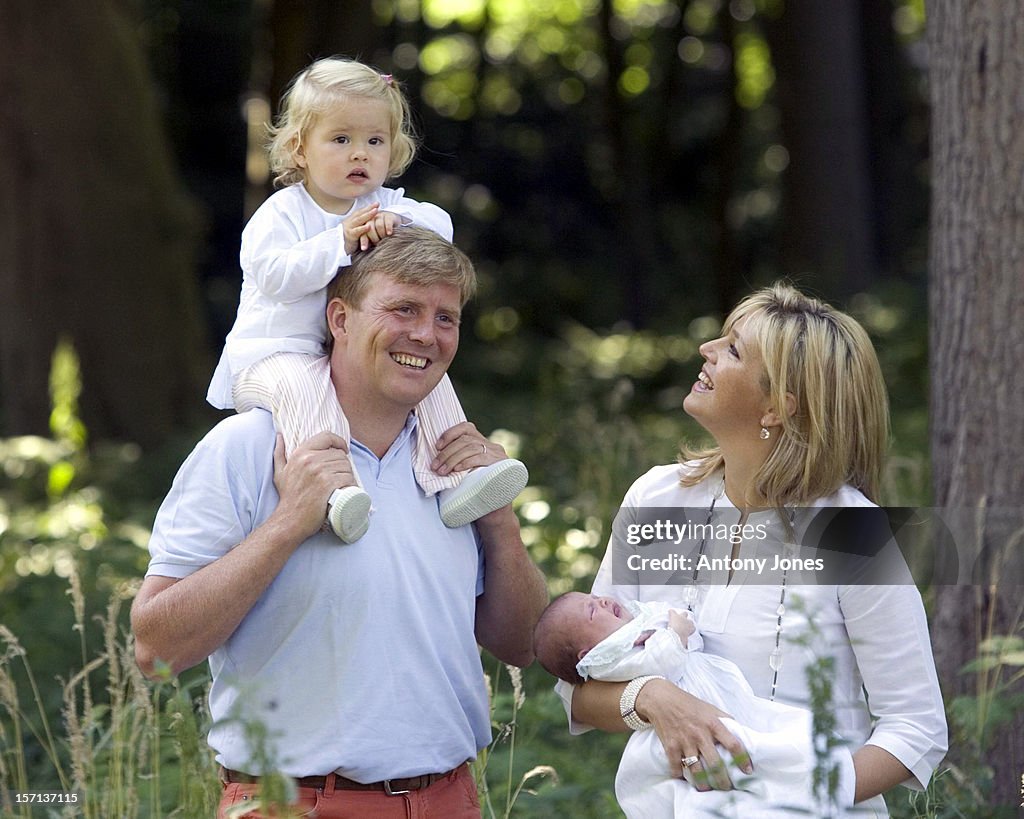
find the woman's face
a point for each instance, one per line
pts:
(728, 397)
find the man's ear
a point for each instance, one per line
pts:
(772, 418)
(581, 654)
(337, 317)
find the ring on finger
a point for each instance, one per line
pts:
(483, 449)
(690, 760)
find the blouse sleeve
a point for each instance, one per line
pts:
(412, 212)
(284, 266)
(889, 636)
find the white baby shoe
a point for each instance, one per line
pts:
(483, 490)
(348, 513)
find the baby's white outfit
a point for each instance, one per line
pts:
(778, 737)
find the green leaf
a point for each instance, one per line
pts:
(59, 479)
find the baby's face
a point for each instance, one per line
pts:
(590, 618)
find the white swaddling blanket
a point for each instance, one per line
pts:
(779, 737)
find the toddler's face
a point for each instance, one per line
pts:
(346, 153)
(591, 618)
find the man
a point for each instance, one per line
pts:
(360, 661)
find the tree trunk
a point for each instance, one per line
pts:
(977, 335)
(303, 32)
(629, 191)
(896, 122)
(728, 155)
(97, 239)
(816, 52)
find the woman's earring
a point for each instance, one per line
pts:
(765, 434)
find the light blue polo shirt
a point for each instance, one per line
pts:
(359, 658)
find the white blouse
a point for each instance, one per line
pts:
(877, 634)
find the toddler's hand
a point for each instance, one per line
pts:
(367, 226)
(356, 227)
(382, 224)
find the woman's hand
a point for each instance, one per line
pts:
(688, 726)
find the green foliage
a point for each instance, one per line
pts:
(51, 530)
(539, 770)
(120, 739)
(65, 388)
(820, 675)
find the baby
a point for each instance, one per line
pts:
(581, 636)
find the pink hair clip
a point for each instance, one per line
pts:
(388, 79)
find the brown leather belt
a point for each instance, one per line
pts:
(392, 787)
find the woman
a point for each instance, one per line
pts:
(793, 396)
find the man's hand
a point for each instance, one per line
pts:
(463, 447)
(367, 226)
(306, 480)
(688, 726)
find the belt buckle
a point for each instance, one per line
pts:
(389, 792)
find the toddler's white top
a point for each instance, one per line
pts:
(291, 250)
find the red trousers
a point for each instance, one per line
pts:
(453, 797)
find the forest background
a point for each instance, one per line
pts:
(621, 172)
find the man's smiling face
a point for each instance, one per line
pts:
(397, 344)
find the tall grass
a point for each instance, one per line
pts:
(118, 733)
(127, 747)
(505, 734)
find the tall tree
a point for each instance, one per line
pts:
(977, 336)
(202, 55)
(301, 32)
(827, 210)
(97, 238)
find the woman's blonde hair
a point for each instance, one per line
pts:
(839, 432)
(316, 89)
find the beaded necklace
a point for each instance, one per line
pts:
(690, 593)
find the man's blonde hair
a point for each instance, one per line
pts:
(412, 255)
(839, 432)
(323, 85)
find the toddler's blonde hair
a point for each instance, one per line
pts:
(319, 87)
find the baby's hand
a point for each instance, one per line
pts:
(643, 638)
(681, 625)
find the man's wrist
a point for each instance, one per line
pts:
(501, 520)
(288, 526)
